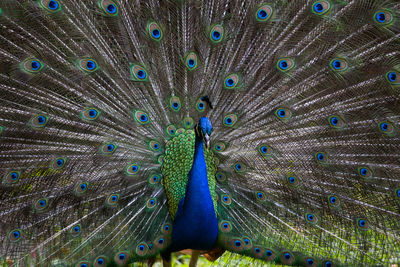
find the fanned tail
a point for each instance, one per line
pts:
(305, 98)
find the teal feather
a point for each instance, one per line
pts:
(104, 160)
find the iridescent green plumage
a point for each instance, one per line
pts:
(176, 165)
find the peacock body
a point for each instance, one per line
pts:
(133, 129)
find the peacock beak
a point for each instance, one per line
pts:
(207, 140)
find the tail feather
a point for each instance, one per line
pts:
(304, 107)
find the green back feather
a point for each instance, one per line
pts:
(177, 162)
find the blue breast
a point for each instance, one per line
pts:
(195, 225)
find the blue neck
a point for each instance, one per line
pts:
(195, 225)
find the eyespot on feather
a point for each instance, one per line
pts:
(333, 201)
(393, 77)
(362, 224)
(283, 114)
(217, 33)
(39, 121)
(191, 61)
(264, 13)
(151, 203)
(142, 249)
(166, 229)
(188, 122)
(226, 199)
(230, 120)
(121, 258)
(232, 81)
(287, 258)
(132, 169)
(12, 177)
(175, 103)
(83, 263)
(41, 205)
(170, 130)
(31, 65)
(336, 121)
(219, 147)
(107, 148)
(90, 114)
(311, 218)
(364, 172)
(221, 177)
(265, 150)
(321, 7)
(285, 64)
(225, 226)
(58, 163)
(247, 243)
(52, 6)
(200, 105)
(310, 262)
(87, 65)
(321, 158)
(15, 235)
(292, 180)
(386, 127)
(141, 117)
(81, 188)
(100, 261)
(109, 7)
(112, 200)
(76, 230)
(154, 146)
(154, 179)
(269, 255)
(154, 31)
(138, 73)
(338, 65)
(383, 17)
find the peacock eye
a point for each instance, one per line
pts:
(138, 73)
(386, 128)
(100, 261)
(338, 65)
(109, 7)
(230, 120)
(191, 61)
(285, 64)
(383, 17)
(283, 114)
(216, 34)
(175, 103)
(141, 117)
(112, 200)
(151, 203)
(132, 169)
(15, 235)
(231, 81)
(362, 224)
(321, 7)
(11, 177)
(154, 31)
(87, 65)
(170, 130)
(321, 157)
(264, 13)
(226, 199)
(392, 77)
(50, 5)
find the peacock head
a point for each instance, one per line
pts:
(203, 130)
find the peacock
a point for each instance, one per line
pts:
(131, 130)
